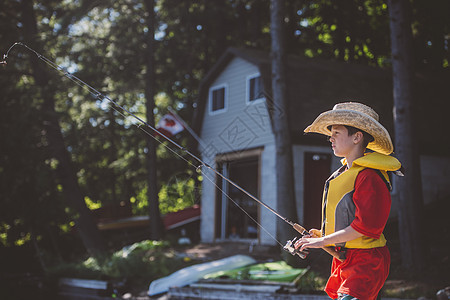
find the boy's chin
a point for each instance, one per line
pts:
(337, 154)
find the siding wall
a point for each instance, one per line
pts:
(268, 195)
(207, 224)
(240, 127)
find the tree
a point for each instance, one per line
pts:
(409, 187)
(152, 191)
(352, 30)
(193, 35)
(431, 27)
(66, 172)
(284, 161)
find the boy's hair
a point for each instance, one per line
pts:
(367, 138)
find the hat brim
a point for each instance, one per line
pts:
(382, 141)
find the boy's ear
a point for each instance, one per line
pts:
(357, 137)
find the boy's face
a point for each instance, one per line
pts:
(341, 143)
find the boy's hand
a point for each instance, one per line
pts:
(309, 242)
(315, 233)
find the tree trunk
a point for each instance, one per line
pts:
(409, 187)
(85, 224)
(152, 191)
(284, 162)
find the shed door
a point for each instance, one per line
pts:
(231, 221)
(316, 172)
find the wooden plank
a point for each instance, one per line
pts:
(136, 221)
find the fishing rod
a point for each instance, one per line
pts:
(290, 245)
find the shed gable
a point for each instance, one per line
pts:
(242, 124)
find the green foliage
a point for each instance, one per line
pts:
(311, 282)
(344, 30)
(140, 202)
(177, 194)
(92, 204)
(141, 262)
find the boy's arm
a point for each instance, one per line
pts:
(344, 235)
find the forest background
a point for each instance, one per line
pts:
(58, 141)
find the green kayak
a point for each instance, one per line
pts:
(278, 271)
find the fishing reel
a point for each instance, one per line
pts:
(290, 247)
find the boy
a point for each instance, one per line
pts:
(356, 201)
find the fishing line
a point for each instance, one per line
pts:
(98, 95)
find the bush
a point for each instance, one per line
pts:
(141, 262)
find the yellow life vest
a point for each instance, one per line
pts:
(338, 206)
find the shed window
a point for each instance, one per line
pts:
(254, 88)
(217, 98)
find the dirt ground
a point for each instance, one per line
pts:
(225, 249)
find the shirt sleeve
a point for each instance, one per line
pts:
(373, 204)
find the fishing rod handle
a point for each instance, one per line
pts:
(300, 229)
(329, 249)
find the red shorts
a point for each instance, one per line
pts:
(361, 275)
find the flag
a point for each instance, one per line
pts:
(169, 125)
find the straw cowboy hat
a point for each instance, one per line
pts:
(356, 115)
